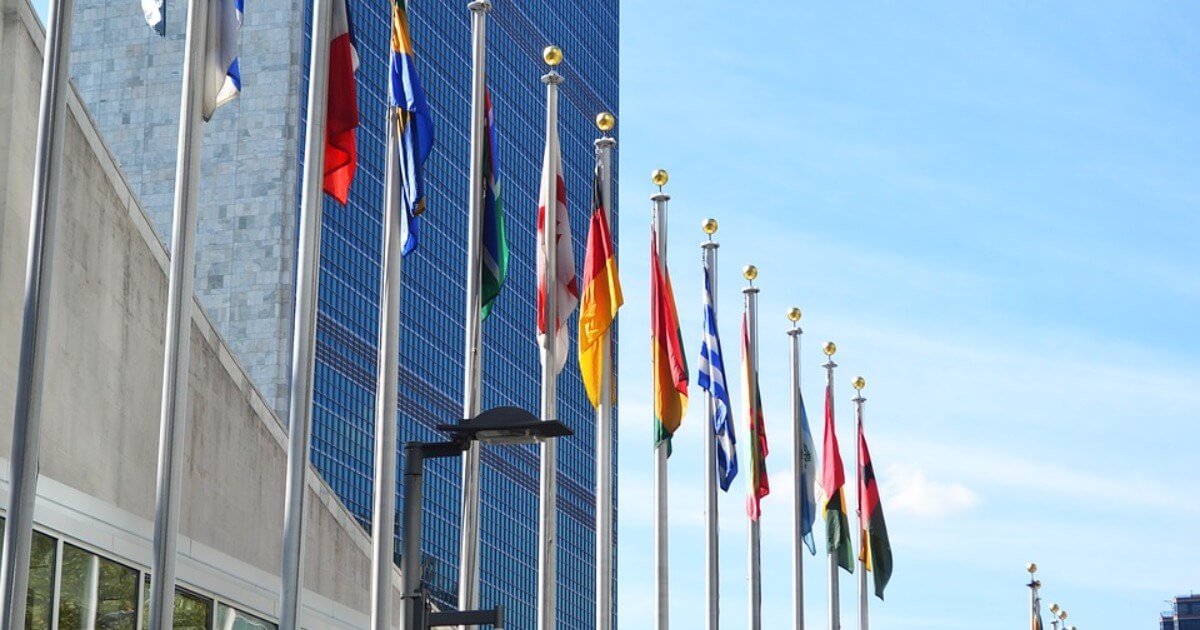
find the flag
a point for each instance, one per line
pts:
(1036, 617)
(601, 294)
(760, 485)
(495, 237)
(156, 15)
(808, 481)
(414, 127)
(341, 117)
(874, 549)
(222, 78)
(566, 293)
(670, 366)
(712, 380)
(833, 478)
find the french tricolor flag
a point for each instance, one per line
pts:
(341, 155)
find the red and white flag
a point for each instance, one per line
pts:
(566, 291)
(341, 119)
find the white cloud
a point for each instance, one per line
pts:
(909, 491)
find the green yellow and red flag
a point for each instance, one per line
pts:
(874, 550)
(666, 346)
(833, 481)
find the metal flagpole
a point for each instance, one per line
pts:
(661, 565)
(711, 527)
(835, 613)
(755, 552)
(304, 334)
(173, 420)
(1035, 608)
(863, 595)
(604, 424)
(383, 527)
(799, 462)
(547, 507)
(468, 567)
(35, 314)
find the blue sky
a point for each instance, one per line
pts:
(992, 209)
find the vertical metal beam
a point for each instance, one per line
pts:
(468, 568)
(604, 430)
(304, 338)
(35, 315)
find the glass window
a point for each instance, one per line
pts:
(234, 619)
(96, 593)
(192, 612)
(40, 601)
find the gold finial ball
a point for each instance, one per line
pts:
(605, 121)
(659, 177)
(750, 272)
(1062, 614)
(553, 55)
(1054, 608)
(830, 348)
(794, 314)
(1031, 567)
(859, 383)
(709, 226)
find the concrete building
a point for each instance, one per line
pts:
(129, 77)
(1184, 614)
(95, 505)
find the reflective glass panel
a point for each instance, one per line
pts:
(234, 619)
(96, 593)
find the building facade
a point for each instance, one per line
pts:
(1184, 614)
(247, 240)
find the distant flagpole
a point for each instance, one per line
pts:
(305, 318)
(604, 424)
(835, 614)
(35, 316)
(712, 554)
(800, 457)
(863, 594)
(755, 533)
(469, 533)
(548, 495)
(662, 603)
(174, 417)
(1035, 605)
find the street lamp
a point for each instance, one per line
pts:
(502, 425)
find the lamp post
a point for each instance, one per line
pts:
(502, 425)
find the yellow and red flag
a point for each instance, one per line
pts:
(601, 296)
(760, 485)
(666, 346)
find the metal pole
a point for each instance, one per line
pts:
(755, 551)
(711, 525)
(468, 568)
(547, 508)
(661, 565)
(383, 530)
(863, 594)
(835, 614)
(410, 574)
(604, 431)
(173, 421)
(304, 336)
(43, 220)
(798, 491)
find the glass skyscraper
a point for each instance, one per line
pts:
(247, 240)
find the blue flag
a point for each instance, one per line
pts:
(414, 119)
(712, 380)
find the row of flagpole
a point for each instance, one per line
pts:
(210, 79)
(670, 390)
(1057, 614)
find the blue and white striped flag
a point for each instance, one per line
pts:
(807, 481)
(222, 77)
(712, 380)
(221, 80)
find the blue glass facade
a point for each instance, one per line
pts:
(433, 296)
